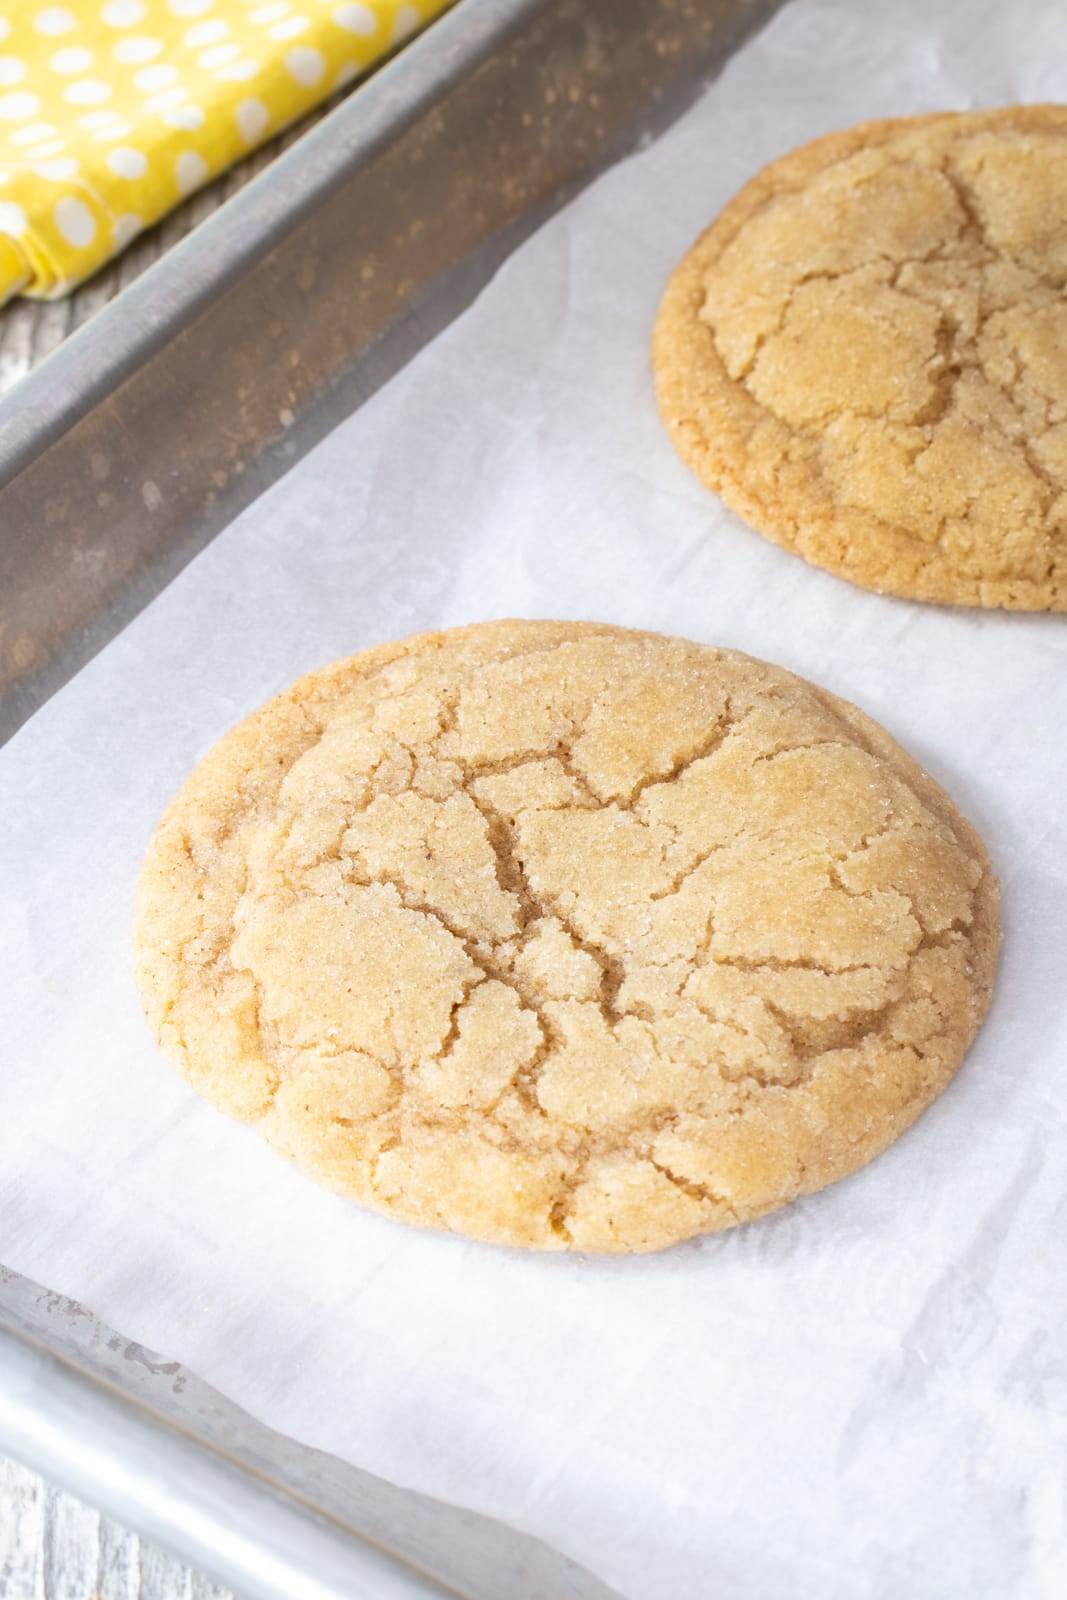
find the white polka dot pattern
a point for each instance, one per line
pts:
(239, 71)
(75, 221)
(112, 111)
(12, 218)
(137, 49)
(252, 118)
(217, 55)
(34, 133)
(289, 28)
(188, 117)
(405, 23)
(15, 107)
(206, 33)
(57, 171)
(191, 169)
(125, 228)
(305, 65)
(159, 76)
(127, 163)
(167, 99)
(356, 19)
(122, 13)
(73, 59)
(54, 19)
(87, 92)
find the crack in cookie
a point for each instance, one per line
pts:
(565, 936)
(865, 355)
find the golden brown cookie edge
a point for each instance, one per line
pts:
(706, 420)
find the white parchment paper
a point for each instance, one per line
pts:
(865, 1396)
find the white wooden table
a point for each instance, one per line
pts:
(52, 1547)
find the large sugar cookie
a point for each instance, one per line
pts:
(562, 935)
(866, 356)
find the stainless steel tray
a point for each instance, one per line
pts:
(169, 1456)
(121, 456)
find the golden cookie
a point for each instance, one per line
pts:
(866, 356)
(561, 935)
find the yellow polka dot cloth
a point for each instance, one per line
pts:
(112, 111)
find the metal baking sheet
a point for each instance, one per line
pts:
(151, 427)
(272, 1519)
(121, 457)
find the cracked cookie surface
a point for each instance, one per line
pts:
(562, 935)
(865, 355)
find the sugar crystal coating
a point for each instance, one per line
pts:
(866, 356)
(562, 935)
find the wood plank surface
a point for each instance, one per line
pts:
(52, 1547)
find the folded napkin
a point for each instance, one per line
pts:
(112, 111)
